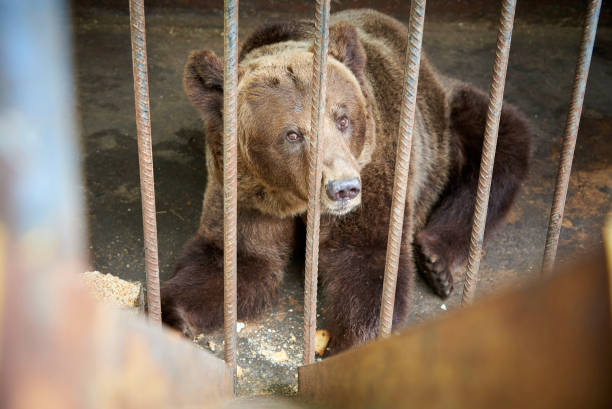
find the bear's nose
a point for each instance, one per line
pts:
(343, 189)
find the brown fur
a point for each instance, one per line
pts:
(364, 85)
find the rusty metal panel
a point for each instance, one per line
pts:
(319, 80)
(545, 346)
(145, 156)
(402, 164)
(607, 235)
(571, 134)
(496, 96)
(230, 179)
(80, 354)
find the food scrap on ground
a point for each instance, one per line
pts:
(321, 341)
(113, 290)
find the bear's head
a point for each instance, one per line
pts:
(275, 94)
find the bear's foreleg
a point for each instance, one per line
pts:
(192, 300)
(352, 280)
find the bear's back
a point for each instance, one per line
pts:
(385, 40)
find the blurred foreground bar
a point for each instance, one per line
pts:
(545, 346)
(59, 348)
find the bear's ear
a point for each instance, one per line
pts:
(203, 83)
(344, 46)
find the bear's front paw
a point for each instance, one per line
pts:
(434, 268)
(345, 335)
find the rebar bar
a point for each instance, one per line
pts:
(496, 95)
(319, 80)
(230, 180)
(145, 156)
(571, 134)
(402, 164)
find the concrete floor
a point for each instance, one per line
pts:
(539, 81)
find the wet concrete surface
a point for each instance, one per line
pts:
(539, 81)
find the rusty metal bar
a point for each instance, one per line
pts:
(145, 156)
(402, 164)
(230, 180)
(571, 133)
(319, 79)
(496, 95)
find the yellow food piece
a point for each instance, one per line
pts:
(280, 356)
(321, 341)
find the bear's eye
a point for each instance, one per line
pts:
(342, 123)
(293, 136)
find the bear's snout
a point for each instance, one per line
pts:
(345, 189)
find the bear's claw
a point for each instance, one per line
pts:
(435, 271)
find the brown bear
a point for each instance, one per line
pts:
(358, 142)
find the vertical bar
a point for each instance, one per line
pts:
(402, 164)
(41, 210)
(230, 180)
(496, 95)
(145, 156)
(319, 79)
(41, 213)
(571, 133)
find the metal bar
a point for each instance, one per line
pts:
(571, 133)
(230, 180)
(402, 164)
(496, 95)
(319, 79)
(145, 156)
